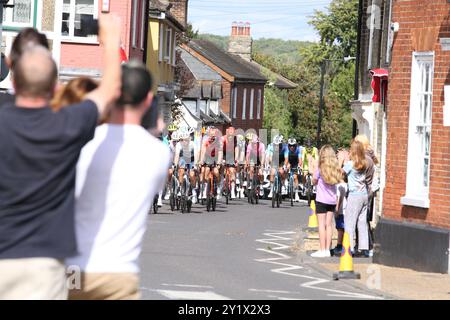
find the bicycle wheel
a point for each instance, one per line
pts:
(155, 205)
(208, 196)
(291, 190)
(308, 190)
(274, 193)
(189, 206)
(227, 189)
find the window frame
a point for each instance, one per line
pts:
(9, 13)
(71, 37)
(417, 188)
(134, 23)
(234, 92)
(252, 98)
(244, 104)
(161, 41)
(168, 45)
(258, 104)
(143, 21)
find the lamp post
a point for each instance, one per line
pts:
(322, 100)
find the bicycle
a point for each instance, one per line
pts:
(309, 188)
(186, 191)
(291, 186)
(174, 188)
(227, 184)
(276, 190)
(211, 191)
(253, 195)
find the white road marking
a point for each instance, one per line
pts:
(285, 298)
(278, 235)
(192, 295)
(186, 285)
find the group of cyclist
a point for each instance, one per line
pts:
(233, 165)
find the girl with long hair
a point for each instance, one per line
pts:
(357, 201)
(326, 175)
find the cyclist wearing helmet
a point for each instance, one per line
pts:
(185, 158)
(255, 156)
(292, 160)
(210, 155)
(276, 157)
(228, 154)
(309, 153)
(240, 159)
(174, 138)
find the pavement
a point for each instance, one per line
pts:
(399, 283)
(241, 251)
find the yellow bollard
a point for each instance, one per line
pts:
(346, 262)
(313, 222)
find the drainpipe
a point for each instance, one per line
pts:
(357, 64)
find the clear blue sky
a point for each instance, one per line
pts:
(285, 19)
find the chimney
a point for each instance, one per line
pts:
(241, 41)
(179, 10)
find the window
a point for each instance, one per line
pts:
(214, 107)
(174, 49)
(244, 104)
(258, 105)
(77, 19)
(252, 96)
(168, 48)
(234, 102)
(20, 15)
(134, 24)
(419, 136)
(161, 41)
(143, 22)
(203, 106)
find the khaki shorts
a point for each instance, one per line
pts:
(107, 286)
(32, 279)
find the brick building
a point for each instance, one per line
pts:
(242, 87)
(415, 227)
(371, 83)
(243, 80)
(81, 52)
(68, 26)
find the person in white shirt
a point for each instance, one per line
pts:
(118, 174)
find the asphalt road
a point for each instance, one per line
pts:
(241, 251)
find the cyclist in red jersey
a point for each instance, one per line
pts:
(255, 156)
(229, 153)
(210, 155)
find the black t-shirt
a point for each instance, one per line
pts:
(39, 150)
(6, 99)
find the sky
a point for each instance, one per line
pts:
(285, 19)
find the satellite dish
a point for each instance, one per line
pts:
(5, 69)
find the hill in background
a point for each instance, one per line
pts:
(286, 51)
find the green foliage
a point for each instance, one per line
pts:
(338, 30)
(190, 32)
(276, 111)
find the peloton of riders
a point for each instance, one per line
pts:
(235, 155)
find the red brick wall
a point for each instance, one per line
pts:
(225, 104)
(179, 10)
(90, 55)
(412, 15)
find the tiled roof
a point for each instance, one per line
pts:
(200, 70)
(231, 64)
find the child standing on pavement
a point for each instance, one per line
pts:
(339, 215)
